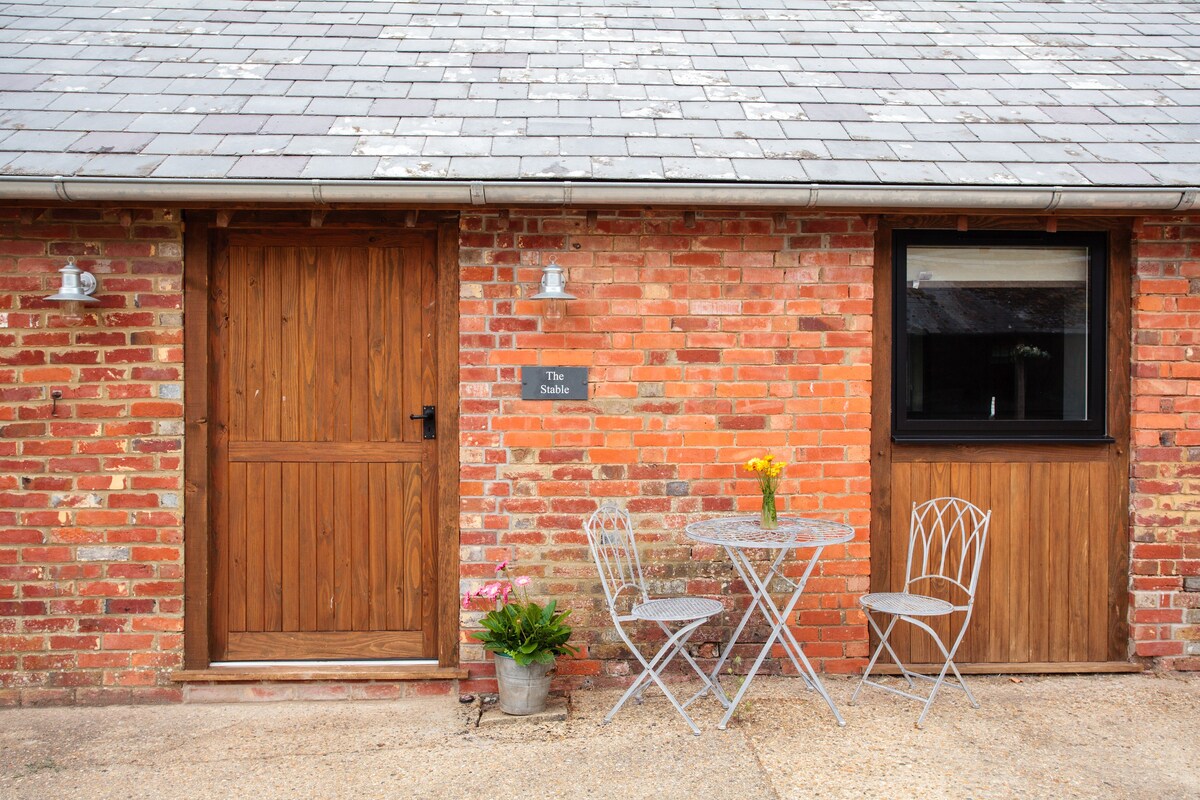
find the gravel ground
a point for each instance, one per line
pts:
(1129, 736)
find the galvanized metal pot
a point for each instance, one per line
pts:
(523, 690)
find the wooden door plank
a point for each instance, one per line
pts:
(394, 601)
(323, 400)
(398, 399)
(307, 546)
(309, 362)
(235, 278)
(343, 584)
(255, 370)
(977, 638)
(1019, 574)
(1079, 560)
(360, 385)
(360, 546)
(412, 344)
(1000, 563)
(378, 305)
(1059, 621)
(1040, 586)
(255, 584)
(411, 558)
(290, 355)
(377, 522)
(892, 580)
(342, 379)
(1099, 508)
(290, 534)
(237, 548)
(326, 552)
(272, 344)
(273, 502)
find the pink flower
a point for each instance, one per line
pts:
(502, 565)
(467, 599)
(490, 590)
(524, 580)
(504, 593)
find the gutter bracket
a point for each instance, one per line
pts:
(316, 192)
(60, 188)
(814, 191)
(567, 190)
(1187, 201)
(1056, 197)
(477, 196)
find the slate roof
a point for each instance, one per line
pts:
(934, 92)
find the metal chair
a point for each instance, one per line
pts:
(610, 537)
(945, 548)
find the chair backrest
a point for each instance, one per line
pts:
(610, 537)
(946, 538)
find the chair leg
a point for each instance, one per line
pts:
(883, 644)
(651, 668)
(949, 665)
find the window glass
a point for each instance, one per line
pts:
(999, 335)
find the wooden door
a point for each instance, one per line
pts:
(322, 489)
(1053, 588)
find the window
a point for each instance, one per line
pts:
(999, 336)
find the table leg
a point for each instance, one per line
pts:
(778, 628)
(760, 590)
(750, 586)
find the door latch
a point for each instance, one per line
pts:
(429, 415)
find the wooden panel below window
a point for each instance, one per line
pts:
(1043, 591)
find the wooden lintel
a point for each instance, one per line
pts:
(317, 218)
(223, 218)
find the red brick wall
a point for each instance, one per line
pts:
(708, 341)
(1165, 497)
(90, 492)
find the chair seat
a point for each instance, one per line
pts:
(904, 603)
(676, 609)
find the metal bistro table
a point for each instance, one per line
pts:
(739, 535)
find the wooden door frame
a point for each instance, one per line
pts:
(1120, 283)
(199, 330)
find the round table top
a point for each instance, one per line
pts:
(748, 532)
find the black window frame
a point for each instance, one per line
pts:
(1092, 429)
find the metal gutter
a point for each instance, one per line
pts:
(577, 193)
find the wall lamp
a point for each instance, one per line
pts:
(553, 291)
(76, 290)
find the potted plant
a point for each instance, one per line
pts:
(524, 638)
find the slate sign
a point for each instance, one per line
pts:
(554, 383)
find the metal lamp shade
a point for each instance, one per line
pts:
(554, 284)
(77, 285)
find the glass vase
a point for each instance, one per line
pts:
(770, 517)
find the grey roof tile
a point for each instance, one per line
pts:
(924, 91)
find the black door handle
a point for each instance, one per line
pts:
(429, 415)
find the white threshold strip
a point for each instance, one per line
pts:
(303, 664)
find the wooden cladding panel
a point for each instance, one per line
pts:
(327, 547)
(327, 343)
(1043, 591)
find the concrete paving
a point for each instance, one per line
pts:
(1130, 736)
